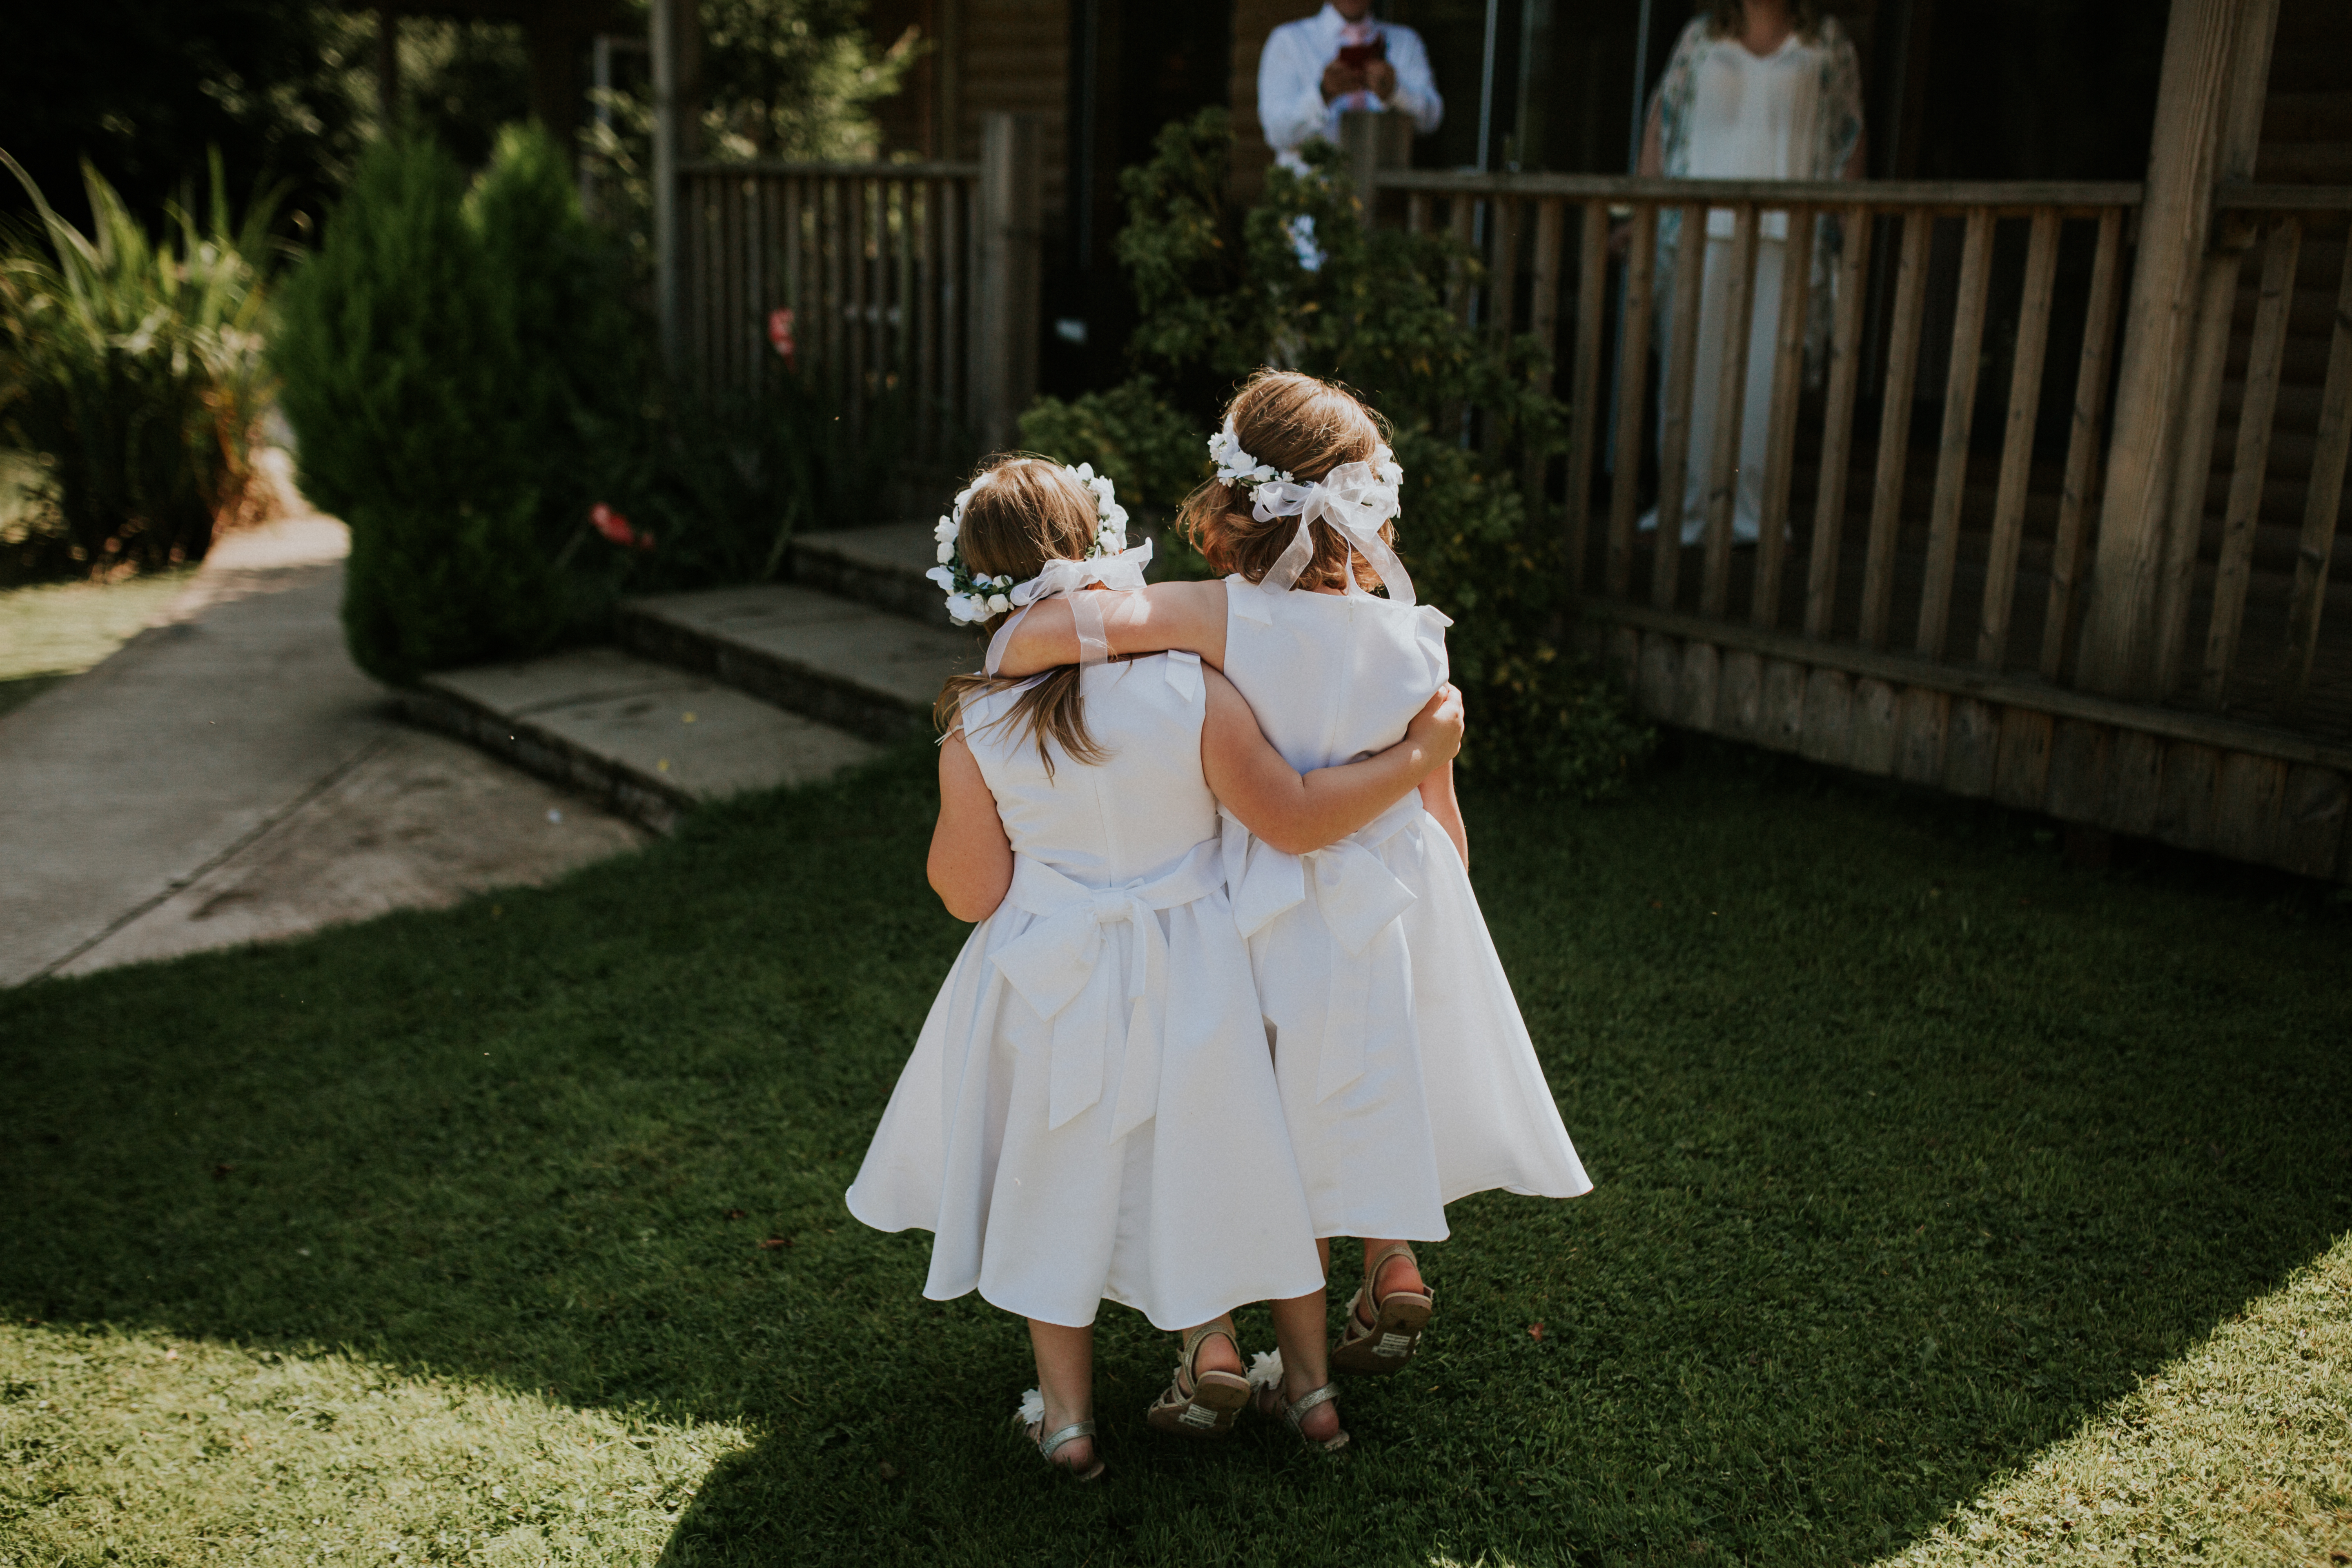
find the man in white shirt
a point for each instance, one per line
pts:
(1311, 72)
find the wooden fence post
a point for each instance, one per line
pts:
(676, 36)
(1007, 279)
(2217, 305)
(2119, 640)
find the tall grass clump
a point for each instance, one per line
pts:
(453, 360)
(132, 369)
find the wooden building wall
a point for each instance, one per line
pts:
(982, 56)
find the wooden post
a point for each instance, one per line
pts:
(2217, 301)
(2118, 642)
(1006, 283)
(676, 38)
(387, 65)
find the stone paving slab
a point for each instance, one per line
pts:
(418, 821)
(863, 670)
(182, 767)
(649, 739)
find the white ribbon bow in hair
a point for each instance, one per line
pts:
(1355, 498)
(1122, 570)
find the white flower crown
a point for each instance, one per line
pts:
(973, 598)
(1238, 470)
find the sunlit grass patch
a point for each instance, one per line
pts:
(145, 1447)
(2239, 1452)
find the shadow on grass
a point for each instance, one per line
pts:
(1912, 1150)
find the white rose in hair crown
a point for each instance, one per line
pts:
(974, 598)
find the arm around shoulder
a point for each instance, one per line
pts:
(1297, 813)
(1188, 617)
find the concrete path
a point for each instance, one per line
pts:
(228, 776)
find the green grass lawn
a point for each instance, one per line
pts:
(56, 629)
(1930, 1175)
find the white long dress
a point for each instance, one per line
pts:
(1407, 1076)
(1089, 1112)
(1749, 116)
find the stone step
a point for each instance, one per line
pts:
(881, 566)
(646, 740)
(838, 660)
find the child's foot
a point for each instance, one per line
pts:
(1313, 1413)
(1068, 1445)
(1209, 1388)
(1388, 1314)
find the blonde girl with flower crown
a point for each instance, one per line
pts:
(1091, 1114)
(1407, 1078)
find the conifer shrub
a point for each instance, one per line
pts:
(451, 361)
(1224, 289)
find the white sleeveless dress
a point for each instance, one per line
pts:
(1407, 1076)
(1089, 1112)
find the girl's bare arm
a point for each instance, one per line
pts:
(970, 865)
(1437, 794)
(1295, 813)
(1185, 616)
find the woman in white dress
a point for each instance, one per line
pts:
(1756, 90)
(1089, 1114)
(1407, 1077)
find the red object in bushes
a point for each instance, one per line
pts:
(615, 527)
(779, 333)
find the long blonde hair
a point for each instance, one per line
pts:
(1022, 513)
(1300, 427)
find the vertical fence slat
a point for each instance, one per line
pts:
(1781, 437)
(1730, 409)
(2250, 466)
(1416, 212)
(2067, 549)
(796, 275)
(1499, 299)
(1633, 391)
(1837, 425)
(1673, 436)
(1584, 386)
(2321, 503)
(1960, 418)
(1543, 322)
(2017, 441)
(903, 333)
(922, 395)
(1460, 215)
(1894, 429)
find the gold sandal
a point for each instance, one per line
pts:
(1199, 1404)
(1031, 1419)
(1265, 1381)
(1395, 1322)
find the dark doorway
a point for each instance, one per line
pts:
(1133, 68)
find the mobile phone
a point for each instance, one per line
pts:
(1356, 57)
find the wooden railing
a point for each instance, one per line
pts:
(910, 284)
(1931, 481)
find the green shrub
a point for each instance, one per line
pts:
(451, 364)
(132, 367)
(1223, 290)
(1136, 436)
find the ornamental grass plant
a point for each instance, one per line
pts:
(131, 371)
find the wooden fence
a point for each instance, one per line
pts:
(909, 288)
(1935, 442)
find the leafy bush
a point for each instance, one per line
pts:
(1132, 432)
(719, 487)
(1223, 290)
(450, 363)
(132, 368)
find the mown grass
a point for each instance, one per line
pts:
(1917, 1152)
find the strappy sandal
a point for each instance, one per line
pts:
(1265, 1381)
(1031, 1419)
(1383, 1331)
(1199, 1404)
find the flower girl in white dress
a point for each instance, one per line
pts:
(1406, 1074)
(1090, 1112)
